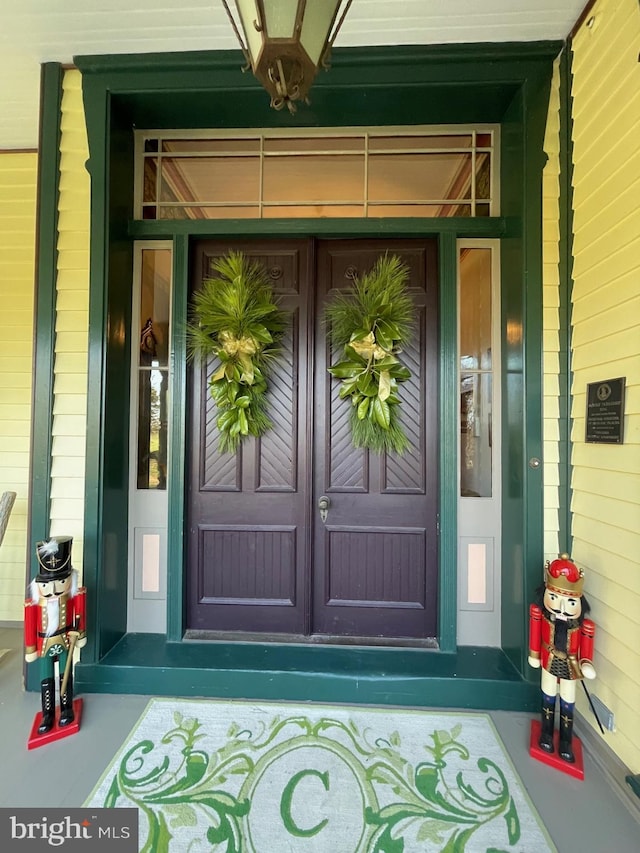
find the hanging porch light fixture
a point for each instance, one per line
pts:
(286, 41)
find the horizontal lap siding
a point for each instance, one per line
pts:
(605, 345)
(551, 319)
(72, 323)
(18, 179)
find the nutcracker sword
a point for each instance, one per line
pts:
(595, 713)
(72, 645)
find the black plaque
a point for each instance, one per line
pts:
(605, 411)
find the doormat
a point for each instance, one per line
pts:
(237, 777)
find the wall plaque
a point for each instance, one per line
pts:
(605, 411)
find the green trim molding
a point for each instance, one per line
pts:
(44, 337)
(107, 457)
(506, 84)
(566, 288)
(448, 450)
(178, 432)
(522, 164)
(159, 229)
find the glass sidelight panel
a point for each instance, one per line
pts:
(153, 369)
(476, 372)
(475, 435)
(152, 429)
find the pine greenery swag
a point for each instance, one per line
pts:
(371, 322)
(235, 318)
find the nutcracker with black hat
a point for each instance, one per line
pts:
(561, 641)
(54, 625)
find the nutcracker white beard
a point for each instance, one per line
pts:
(53, 616)
(53, 602)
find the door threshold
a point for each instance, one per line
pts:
(312, 639)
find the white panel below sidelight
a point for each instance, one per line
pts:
(150, 562)
(476, 573)
(149, 558)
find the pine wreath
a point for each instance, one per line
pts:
(371, 322)
(235, 318)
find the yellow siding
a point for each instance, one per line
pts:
(605, 345)
(72, 323)
(551, 318)
(18, 176)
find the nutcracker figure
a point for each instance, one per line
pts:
(561, 642)
(54, 623)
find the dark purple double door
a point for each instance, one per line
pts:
(261, 558)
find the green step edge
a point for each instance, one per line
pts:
(473, 677)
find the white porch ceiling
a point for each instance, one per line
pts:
(37, 31)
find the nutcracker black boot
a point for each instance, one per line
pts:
(48, 699)
(66, 702)
(545, 741)
(566, 732)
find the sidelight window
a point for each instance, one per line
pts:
(152, 355)
(476, 372)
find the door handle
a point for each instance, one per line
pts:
(323, 505)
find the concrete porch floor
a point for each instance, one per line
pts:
(591, 816)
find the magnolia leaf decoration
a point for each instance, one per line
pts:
(371, 322)
(235, 318)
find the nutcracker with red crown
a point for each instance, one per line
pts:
(561, 643)
(54, 624)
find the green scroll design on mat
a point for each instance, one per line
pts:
(259, 783)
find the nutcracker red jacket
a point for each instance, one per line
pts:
(71, 617)
(579, 645)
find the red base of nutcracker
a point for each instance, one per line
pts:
(553, 758)
(56, 732)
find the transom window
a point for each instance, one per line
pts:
(345, 172)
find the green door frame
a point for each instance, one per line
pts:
(506, 84)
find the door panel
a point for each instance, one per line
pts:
(375, 555)
(248, 551)
(260, 558)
